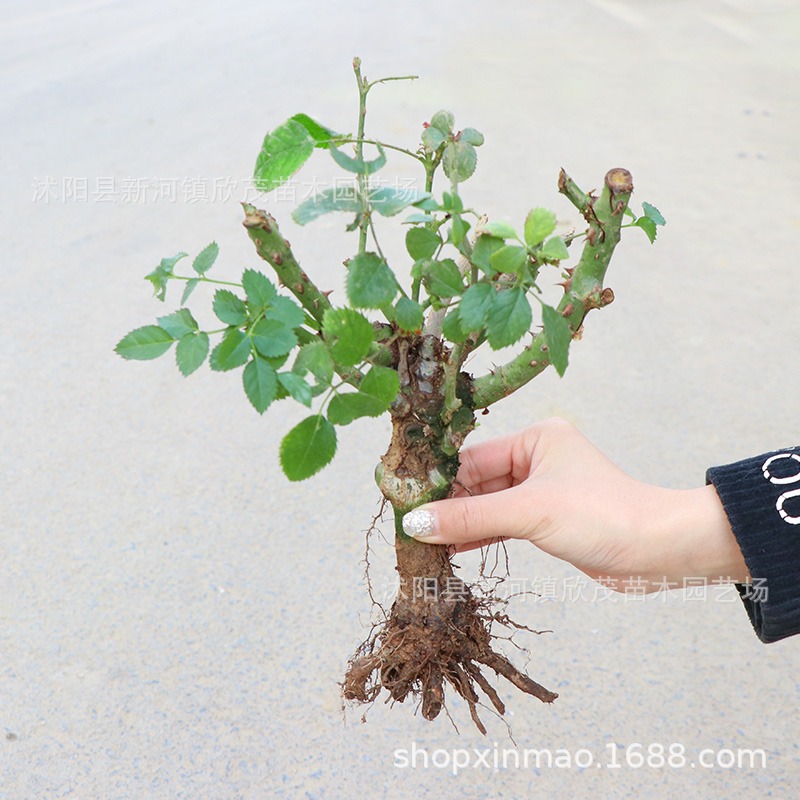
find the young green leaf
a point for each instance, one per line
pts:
(422, 243)
(346, 407)
(285, 310)
(651, 212)
(474, 306)
(459, 160)
(283, 152)
(338, 198)
(144, 344)
(390, 200)
(648, 226)
(272, 338)
(191, 285)
(259, 288)
(471, 136)
(349, 335)
(382, 383)
(559, 335)
(370, 282)
(443, 121)
(539, 224)
(229, 308)
(432, 138)
(179, 323)
(321, 135)
(260, 384)
(483, 249)
(452, 329)
(509, 258)
(296, 387)
(233, 351)
(314, 358)
(500, 229)
(205, 259)
(408, 314)
(191, 352)
(508, 318)
(308, 447)
(443, 278)
(356, 165)
(555, 249)
(160, 276)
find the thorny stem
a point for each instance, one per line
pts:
(276, 251)
(583, 289)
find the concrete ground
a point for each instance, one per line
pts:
(174, 614)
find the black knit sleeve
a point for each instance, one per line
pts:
(761, 497)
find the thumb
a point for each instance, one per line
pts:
(462, 520)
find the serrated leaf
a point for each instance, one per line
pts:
(391, 200)
(349, 335)
(159, 279)
(259, 288)
(168, 264)
(509, 258)
(452, 329)
(471, 136)
(232, 352)
(285, 310)
(539, 224)
(458, 230)
(422, 242)
(483, 249)
(474, 306)
(443, 278)
(179, 323)
(144, 344)
(443, 121)
(648, 226)
(432, 138)
(381, 383)
(358, 166)
(344, 408)
(272, 338)
(229, 308)
(308, 447)
(508, 319)
(559, 336)
(205, 259)
(414, 219)
(459, 160)
(651, 212)
(337, 198)
(500, 229)
(370, 282)
(191, 285)
(296, 387)
(260, 384)
(555, 249)
(321, 134)
(283, 152)
(314, 358)
(408, 314)
(191, 352)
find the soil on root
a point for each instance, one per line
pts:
(437, 632)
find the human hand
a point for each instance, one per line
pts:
(548, 484)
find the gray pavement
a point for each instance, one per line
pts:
(174, 615)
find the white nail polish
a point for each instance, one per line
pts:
(419, 523)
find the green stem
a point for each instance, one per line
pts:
(584, 289)
(275, 250)
(361, 178)
(203, 279)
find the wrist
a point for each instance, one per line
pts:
(694, 536)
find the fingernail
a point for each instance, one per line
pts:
(419, 523)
